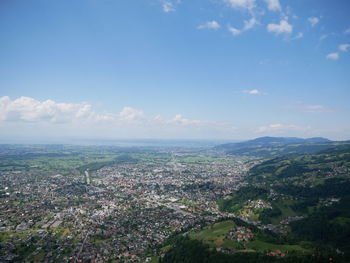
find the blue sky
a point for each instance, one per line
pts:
(218, 69)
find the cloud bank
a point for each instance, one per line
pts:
(78, 117)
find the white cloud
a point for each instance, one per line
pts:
(252, 92)
(347, 31)
(31, 110)
(179, 119)
(131, 114)
(282, 27)
(313, 108)
(234, 30)
(241, 4)
(279, 127)
(270, 127)
(168, 7)
(80, 118)
(249, 24)
(333, 56)
(313, 21)
(344, 47)
(210, 25)
(273, 5)
(26, 109)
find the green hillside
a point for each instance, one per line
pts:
(302, 200)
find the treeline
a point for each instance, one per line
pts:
(339, 187)
(329, 225)
(266, 215)
(98, 165)
(202, 186)
(240, 197)
(185, 250)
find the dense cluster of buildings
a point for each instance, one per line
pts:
(240, 234)
(122, 212)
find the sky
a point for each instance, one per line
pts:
(174, 69)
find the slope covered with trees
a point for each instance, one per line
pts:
(304, 202)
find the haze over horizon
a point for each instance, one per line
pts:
(174, 69)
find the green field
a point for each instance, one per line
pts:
(214, 235)
(68, 159)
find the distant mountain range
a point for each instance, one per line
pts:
(276, 146)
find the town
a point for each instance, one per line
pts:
(118, 212)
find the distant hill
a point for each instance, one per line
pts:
(273, 141)
(304, 168)
(268, 147)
